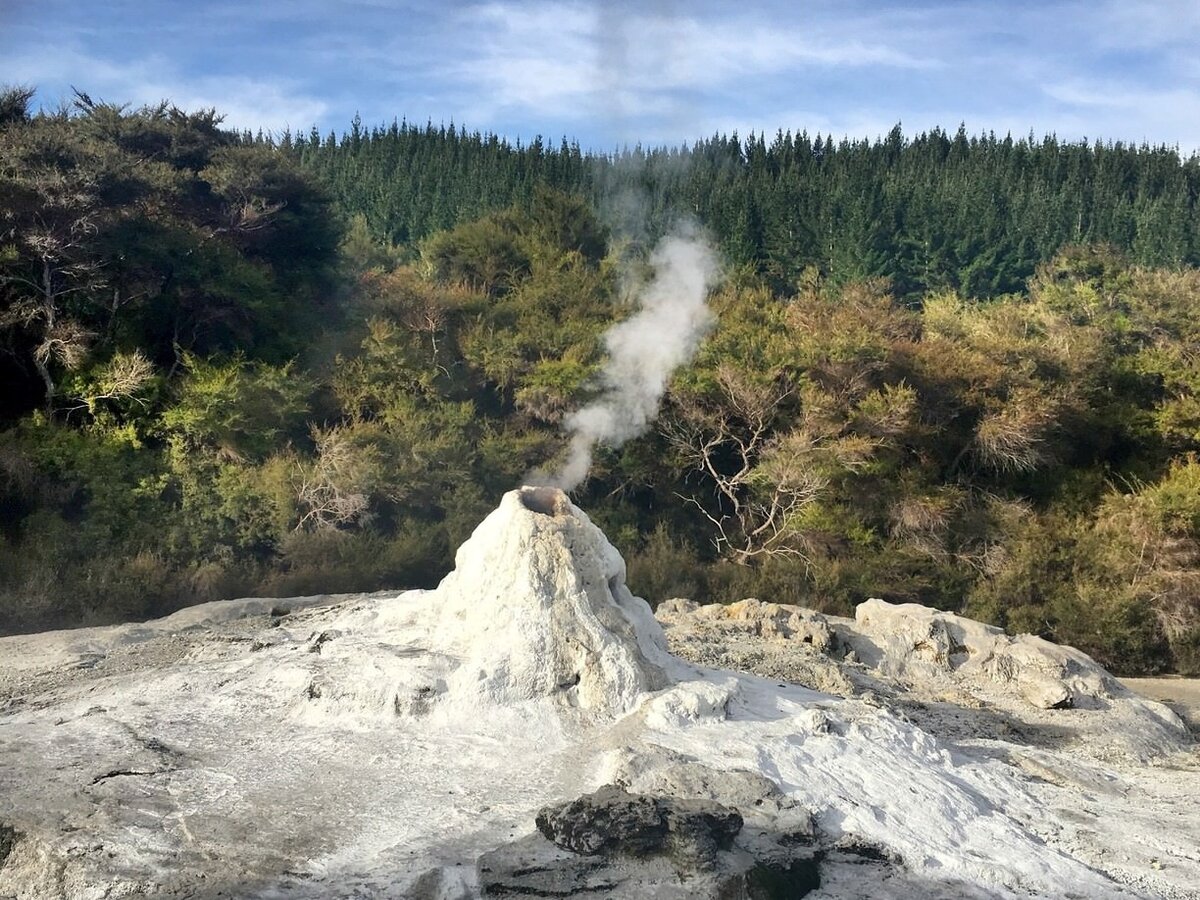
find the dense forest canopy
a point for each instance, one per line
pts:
(959, 371)
(936, 211)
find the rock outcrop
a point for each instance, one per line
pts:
(614, 843)
(911, 641)
(916, 656)
(612, 821)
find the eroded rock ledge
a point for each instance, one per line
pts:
(935, 666)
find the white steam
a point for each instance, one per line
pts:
(644, 350)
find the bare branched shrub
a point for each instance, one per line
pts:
(923, 522)
(983, 527)
(124, 377)
(17, 470)
(1160, 528)
(253, 214)
(33, 595)
(66, 342)
(334, 491)
(1175, 590)
(763, 481)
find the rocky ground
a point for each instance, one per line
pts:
(1117, 777)
(529, 729)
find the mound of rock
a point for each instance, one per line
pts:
(612, 821)
(537, 607)
(914, 642)
(915, 654)
(615, 843)
(770, 639)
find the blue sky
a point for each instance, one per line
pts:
(611, 73)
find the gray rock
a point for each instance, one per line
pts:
(1047, 693)
(957, 677)
(534, 867)
(612, 821)
(782, 879)
(675, 607)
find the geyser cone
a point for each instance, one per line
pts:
(537, 607)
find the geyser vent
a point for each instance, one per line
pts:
(549, 501)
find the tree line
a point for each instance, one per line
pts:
(936, 211)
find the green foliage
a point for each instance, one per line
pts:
(566, 224)
(1186, 653)
(362, 252)
(664, 568)
(487, 255)
(336, 562)
(221, 391)
(14, 104)
(1173, 504)
(237, 408)
(153, 231)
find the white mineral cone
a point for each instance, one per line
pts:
(537, 607)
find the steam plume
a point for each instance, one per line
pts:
(644, 350)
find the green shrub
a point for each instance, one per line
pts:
(665, 568)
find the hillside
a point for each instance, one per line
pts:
(241, 367)
(930, 212)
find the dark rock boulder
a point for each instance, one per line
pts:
(782, 879)
(617, 845)
(612, 821)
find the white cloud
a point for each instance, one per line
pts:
(246, 102)
(1117, 111)
(577, 61)
(625, 71)
(1152, 24)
